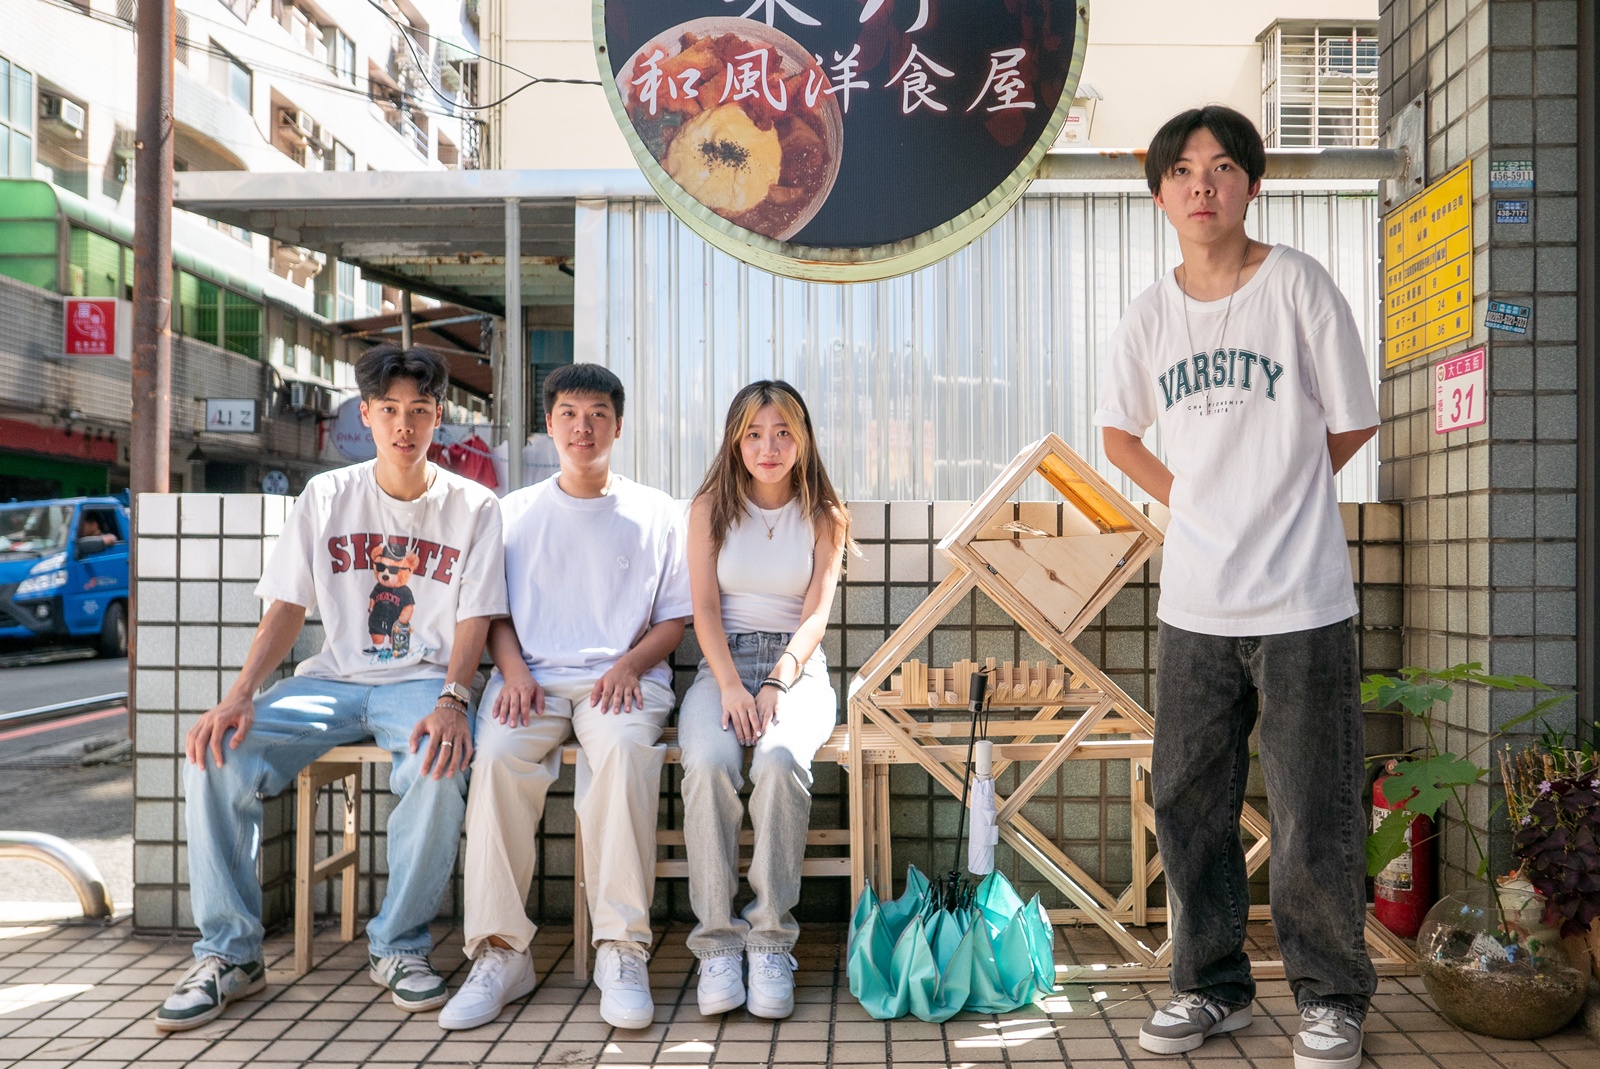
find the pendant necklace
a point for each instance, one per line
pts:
(1226, 315)
(771, 527)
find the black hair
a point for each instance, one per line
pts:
(382, 364)
(583, 378)
(1236, 134)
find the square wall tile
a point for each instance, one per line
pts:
(869, 520)
(241, 514)
(200, 514)
(158, 514)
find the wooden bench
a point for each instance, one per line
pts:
(344, 762)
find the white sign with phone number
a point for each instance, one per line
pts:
(1458, 392)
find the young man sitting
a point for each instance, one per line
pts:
(1248, 358)
(405, 563)
(599, 596)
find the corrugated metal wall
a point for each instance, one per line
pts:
(923, 386)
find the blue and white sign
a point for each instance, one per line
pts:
(1511, 211)
(1513, 318)
(1510, 174)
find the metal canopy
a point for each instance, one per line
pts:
(441, 234)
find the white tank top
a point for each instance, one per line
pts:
(763, 580)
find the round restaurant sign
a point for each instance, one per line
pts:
(840, 140)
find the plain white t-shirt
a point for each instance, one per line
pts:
(588, 576)
(761, 580)
(391, 578)
(1255, 545)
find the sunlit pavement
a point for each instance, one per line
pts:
(83, 996)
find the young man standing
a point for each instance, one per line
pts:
(599, 596)
(1248, 358)
(405, 563)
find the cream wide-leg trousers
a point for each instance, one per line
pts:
(617, 796)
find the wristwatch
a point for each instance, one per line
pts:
(458, 692)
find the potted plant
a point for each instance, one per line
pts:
(1488, 963)
(1553, 801)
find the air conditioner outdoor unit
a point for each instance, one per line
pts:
(306, 125)
(68, 114)
(325, 138)
(300, 396)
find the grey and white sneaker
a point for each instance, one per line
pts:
(1329, 1038)
(622, 974)
(205, 991)
(499, 975)
(771, 984)
(721, 986)
(1185, 1022)
(413, 984)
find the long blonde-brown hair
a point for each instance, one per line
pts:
(727, 484)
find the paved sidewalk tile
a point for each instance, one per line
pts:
(83, 997)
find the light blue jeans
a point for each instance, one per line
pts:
(780, 802)
(298, 720)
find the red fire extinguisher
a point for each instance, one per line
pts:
(1404, 891)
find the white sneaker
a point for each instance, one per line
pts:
(621, 973)
(771, 984)
(499, 975)
(205, 991)
(721, 984)
(414, 985)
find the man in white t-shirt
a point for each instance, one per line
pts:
(599, 596)
(404, 562)
(1248, 358)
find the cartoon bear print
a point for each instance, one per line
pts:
(391, 604)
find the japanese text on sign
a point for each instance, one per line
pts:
(1458, 393)
(1427, 269)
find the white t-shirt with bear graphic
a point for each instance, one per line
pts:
(392, 578)
(1255, 545)
(588, 576)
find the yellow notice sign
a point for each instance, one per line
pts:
(1427, 269)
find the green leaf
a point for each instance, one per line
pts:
(1388, 841)
(1431, 779)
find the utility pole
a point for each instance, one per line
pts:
(150, 451)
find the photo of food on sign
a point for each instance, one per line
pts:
(722, 105)
(839, 124)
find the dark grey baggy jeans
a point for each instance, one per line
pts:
(1312, 757)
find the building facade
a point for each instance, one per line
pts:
(260, 85)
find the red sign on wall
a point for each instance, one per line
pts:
(91, 326)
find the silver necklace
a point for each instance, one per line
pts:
(1226, 315)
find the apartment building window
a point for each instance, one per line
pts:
(230, 77)
(336, 291)
(1319, 84)
(341, 158)
(321, 364)
(16, 121)
(341, 54)
(209, 313)
(289, 334)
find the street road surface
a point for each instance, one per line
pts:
(31, 686)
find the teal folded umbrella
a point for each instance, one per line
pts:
(933, 953)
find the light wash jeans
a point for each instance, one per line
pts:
(1312, 757)
(298, 720)
(780, 803)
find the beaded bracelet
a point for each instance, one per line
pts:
(773, 681)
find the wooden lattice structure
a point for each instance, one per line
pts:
(1052, 572)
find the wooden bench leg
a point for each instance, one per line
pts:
(304, 862)
(352, 843)
(580, 908)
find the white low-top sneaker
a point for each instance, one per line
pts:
(414, 985)
(205, 991)
(499, 975)
(623, 976)
(721, 985)
(771, 984)
(1329, 1038)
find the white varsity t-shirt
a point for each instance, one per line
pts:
(588, 576)
(392, 578)
(1255, 545)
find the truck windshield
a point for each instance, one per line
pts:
(28, 531)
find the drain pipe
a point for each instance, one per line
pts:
(78, 867)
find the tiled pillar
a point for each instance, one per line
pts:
(1491, 512)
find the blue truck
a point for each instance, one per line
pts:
(64, 572)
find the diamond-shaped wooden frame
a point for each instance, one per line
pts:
(1052, 580)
